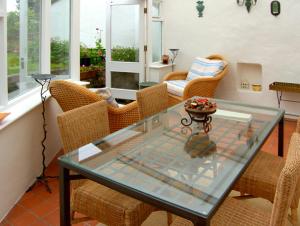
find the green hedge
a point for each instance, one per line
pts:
(125, 54)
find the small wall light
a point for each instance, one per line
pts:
(247, 3)
(275, 8)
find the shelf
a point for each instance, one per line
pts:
(160, 65)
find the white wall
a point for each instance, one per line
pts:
(255, 37)
(21, 159)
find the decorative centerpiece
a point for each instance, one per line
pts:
(199, 110)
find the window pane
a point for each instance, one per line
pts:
(156, 41)
(23, 45)
(60, 37)
(125, 80)
(125, 33)
(156, 8)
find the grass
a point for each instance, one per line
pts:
(14, 65)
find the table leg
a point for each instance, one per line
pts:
(280, 137)
(64, 185)
(200, 222)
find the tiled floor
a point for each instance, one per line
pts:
(39, 208)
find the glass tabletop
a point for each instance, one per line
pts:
(177, 165)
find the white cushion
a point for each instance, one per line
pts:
(176, 87)
(203, 67)
(105, 93)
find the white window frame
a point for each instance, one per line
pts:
(45, 59)
(75, 40)
(45, 43)
(3, 55)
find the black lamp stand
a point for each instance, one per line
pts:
(44, 80)
(174, 53)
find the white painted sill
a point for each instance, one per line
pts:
(20, 106)
(159, 65)
(23, 104)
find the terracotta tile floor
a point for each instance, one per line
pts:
(38, 207)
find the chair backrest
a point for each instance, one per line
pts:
(83, 125)
(152, 100)
(286, 184)
(70, 95)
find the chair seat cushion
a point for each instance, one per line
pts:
(260, 178)
(108, 206)
(176, 87)
(234, 212)
(203, 67)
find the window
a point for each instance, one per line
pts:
(156, 41)
(30, 45)
(156, 31)
(60, 38)
(23, 45)
(156, 8)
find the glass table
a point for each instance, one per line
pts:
(176, 168)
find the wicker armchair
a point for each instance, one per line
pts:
(152, 100)
(197, 87)
(70, 96)
(260, 180)
(238, 212)
(298, 126)
(87, 197)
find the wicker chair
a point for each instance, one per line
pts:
(260, 179)
(298, 126)
(197, 87)
(70, 96)
(238, 212)
(152, 100)
(87, 197)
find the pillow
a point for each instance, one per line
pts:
(106, 94)
(203, 67)
(176, 87)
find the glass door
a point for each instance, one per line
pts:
(125, 58)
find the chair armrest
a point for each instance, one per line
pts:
(122, 117)
(215, 57)
(298, 126)
(177, 75)
(203, 86)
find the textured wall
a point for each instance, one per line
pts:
(21, 159)
(255, 37)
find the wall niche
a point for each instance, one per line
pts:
(249, 77)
